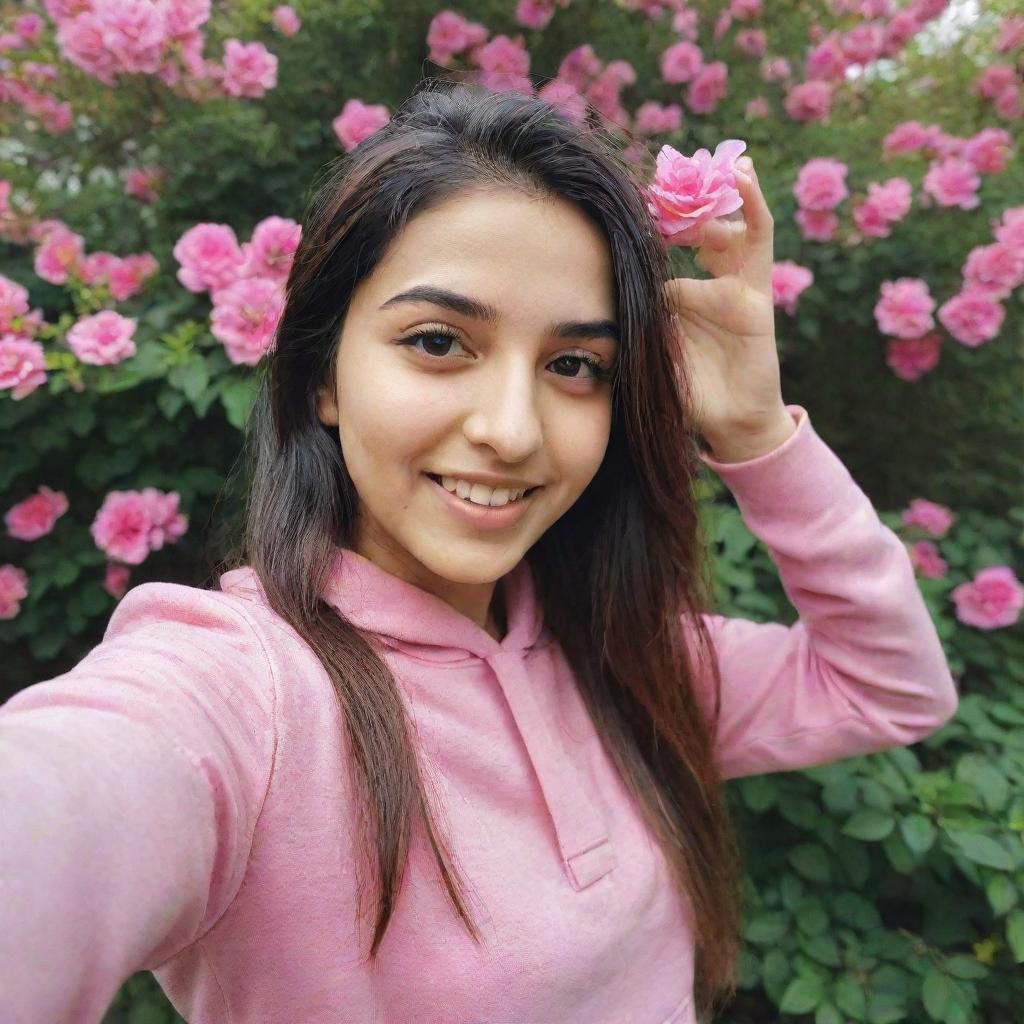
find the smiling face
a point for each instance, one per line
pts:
(515, 393)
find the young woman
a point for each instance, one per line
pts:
(446, 744)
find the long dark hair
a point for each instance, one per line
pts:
(615, 573)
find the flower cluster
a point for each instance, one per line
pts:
(131, 524)
(246, 282)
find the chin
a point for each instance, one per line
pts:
(471, 566)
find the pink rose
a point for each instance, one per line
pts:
(827, 62)
(115, 582)
(953, 182)
(210, 257)
(757, 108)
(911, 358)
(925, 558)
(708, 87)
(905, 308)
(655, 119)
(993, 80)
(22, 365)
(565, 100)
(36, 516)
(908, 137)
(286, 21)
(534, 14)
(681, 62)
(450, 33)
(130, 524)
(141, 183)
(1011, 228)
(972, 316)
(929, 516)
(817, 225)
(103, 338)
(502, 54)
(357, 121)
(579, 66)
(751, 41)
(989, 150)
(991, 600)
(13, 590)
(250, 69)
(245, 317)
(821, 184)
(128, 275)
(995, 269)
(60, 255)
(789, 279)
(689, 191)
(13, 303)
(1011, 34)
(271, 250)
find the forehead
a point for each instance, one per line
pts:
(507, 248)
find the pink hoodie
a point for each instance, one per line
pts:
(178, 801)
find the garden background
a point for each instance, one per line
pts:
(155, 161)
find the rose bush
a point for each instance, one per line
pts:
(156, 157)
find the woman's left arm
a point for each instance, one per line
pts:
(863, 668)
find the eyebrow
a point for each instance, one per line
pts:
(478, 310)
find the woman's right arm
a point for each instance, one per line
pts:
(129, 793)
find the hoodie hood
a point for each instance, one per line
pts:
(401, 614)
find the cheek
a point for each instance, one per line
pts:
(578, 441)
(386, 416)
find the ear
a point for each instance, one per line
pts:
(327, 404)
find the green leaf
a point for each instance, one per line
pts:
(869, 824)
(827, 1013)
(936, 992)
(811, 861)
(812, 919)
(967, 967)
(767, 929)
(1015, 934)
(850, 997)
(918, 833)
(884, 1008)
(802, 995)
(237, 397)
(823, 949)
(982, 849)
(856, 911)
(169, 402)
(191, 378)
(1001, 893)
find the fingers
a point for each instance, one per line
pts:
(755, 209)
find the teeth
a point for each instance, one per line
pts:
(481, 494)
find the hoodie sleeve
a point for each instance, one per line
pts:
(863, 668)
(129, 792)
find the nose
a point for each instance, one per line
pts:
(504, 415)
